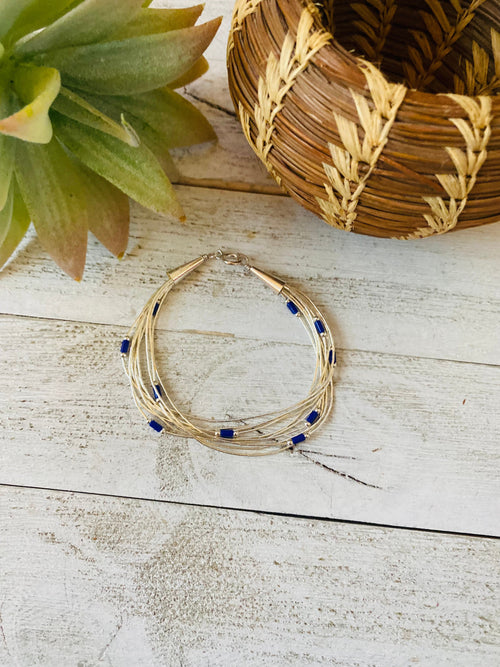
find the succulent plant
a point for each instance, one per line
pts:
(88, 114)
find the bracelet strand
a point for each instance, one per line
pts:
(260, 435)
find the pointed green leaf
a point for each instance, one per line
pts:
(109, 213)
(198, 69)
(162, 155)
(152, 21)
(19, 223)
(178, 121)
(88, 22)
(157, 145)
(2, 50)
(134, 65)
(72, 105)
(135, 171)
(130, 130)
(36, 15)
(37, 87)
(56, 199)
(7, 151)
(6, 214)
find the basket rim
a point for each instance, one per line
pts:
(364, 154)
(419, 98)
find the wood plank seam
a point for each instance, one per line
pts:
(229, 335)
(244, 510)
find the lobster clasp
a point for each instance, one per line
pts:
(232, 257)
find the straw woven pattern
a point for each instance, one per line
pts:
(280, 75)
(381, 116)
(242, 9)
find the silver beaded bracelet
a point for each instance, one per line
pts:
(269, 433)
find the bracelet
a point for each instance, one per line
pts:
(268, 433)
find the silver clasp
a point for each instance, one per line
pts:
(230, 257)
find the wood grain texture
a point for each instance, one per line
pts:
(411, 442)
(437, 298)
(90, 581)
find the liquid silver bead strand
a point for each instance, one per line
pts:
(261, 435)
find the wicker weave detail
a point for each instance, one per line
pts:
(345, 181)
(280, 75)
(242, 9)
(476, 133)
(429, 56)
(477, 79)
(375, 22)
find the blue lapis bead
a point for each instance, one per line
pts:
(311, 418)
(226, 433)
(156, 308)
(298, 439)
(125, 346)
(292, 307)
(330, 356)
(155, 426)
(157, 391)
(320, 327)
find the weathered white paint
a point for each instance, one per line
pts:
(102, 581)
(435, 298)
(414, 442)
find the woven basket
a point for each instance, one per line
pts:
(390, 128)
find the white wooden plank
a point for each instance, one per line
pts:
(91, 581)
(435, 298)
(411, 442)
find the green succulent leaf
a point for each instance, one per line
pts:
(170, 115)
(6, 214)
(36, 15)
(72, 105)
(88, 22)
(178, 121)
(162, 154)
(197, 70)
(7, 150)
(134, 65)
(56, 198)
(153, 21)
(156, 142)
(159, 147)
(108, 213)
(70, 157)
(135, 171)
(37, 87)
(19, 223)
